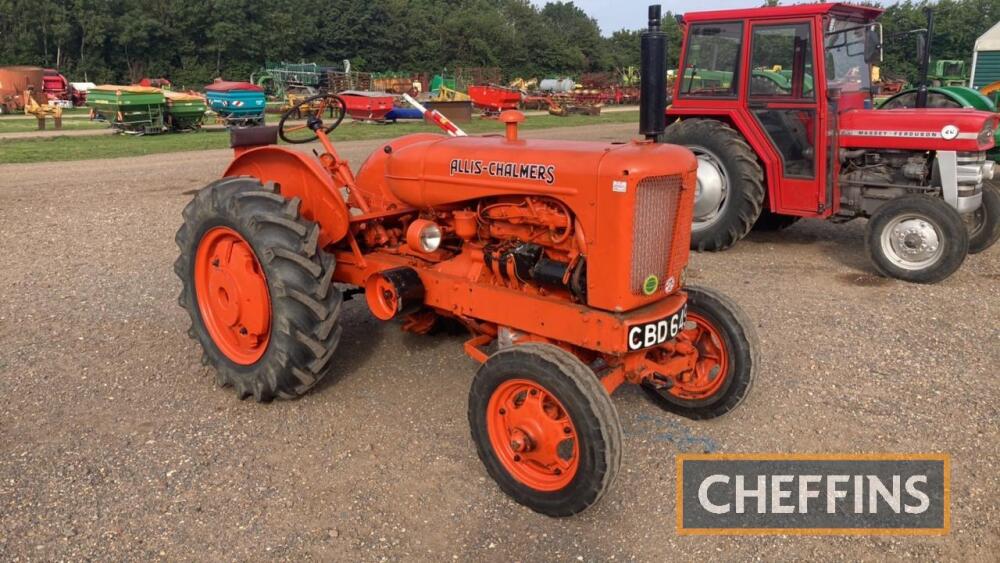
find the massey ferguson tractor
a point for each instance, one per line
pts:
(564, 260)
(776, 104)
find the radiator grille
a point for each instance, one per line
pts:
(656, 203)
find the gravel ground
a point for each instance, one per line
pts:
(115, 444)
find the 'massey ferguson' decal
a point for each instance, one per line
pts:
(948, 133)
(498, 169)
(647, 335)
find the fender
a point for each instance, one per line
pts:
(298, 175)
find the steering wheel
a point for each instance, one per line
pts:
(312, 108)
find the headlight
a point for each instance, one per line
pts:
(985, 136)
(423, 236)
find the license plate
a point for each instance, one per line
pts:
(647, 335)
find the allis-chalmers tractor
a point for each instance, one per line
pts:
(564, 260)
(776, 104)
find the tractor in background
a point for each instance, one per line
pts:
(771, 153)
(564, 260)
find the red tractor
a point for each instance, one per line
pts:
(776, 104)
(564, 260)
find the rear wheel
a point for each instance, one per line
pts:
(258, 289)
(727, 359)
(545, 428)
(917, 238)
(730, 189)
(984, 223)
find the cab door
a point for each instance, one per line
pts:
(781, 95)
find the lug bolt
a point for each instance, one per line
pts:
(534, 391)
(243, 330)
(215, 262)
(558, 471)
(517, 457)
(567, 430)
(503, 411)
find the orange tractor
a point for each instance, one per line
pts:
(564, 260)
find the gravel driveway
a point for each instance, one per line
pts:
(115, 443)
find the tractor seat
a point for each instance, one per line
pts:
(253, 136)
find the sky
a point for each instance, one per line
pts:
(613, 15)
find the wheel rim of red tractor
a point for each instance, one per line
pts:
(532, 435)
(705, 381)
(232, 295)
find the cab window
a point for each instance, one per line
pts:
(711, 63)
(782, 62)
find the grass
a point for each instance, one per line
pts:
(24, 125)
(117, 146)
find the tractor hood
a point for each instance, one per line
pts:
(931, 129)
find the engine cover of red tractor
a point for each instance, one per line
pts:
(626, 198)
(932, 129)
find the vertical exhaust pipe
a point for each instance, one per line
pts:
(925, 60)
(653, 78)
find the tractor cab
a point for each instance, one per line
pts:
(777, 105)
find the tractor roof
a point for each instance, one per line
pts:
(796, 10)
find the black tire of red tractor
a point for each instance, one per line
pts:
(746, 179)
(743, 351)
(305, 304)
(773, 222)
(589, 407)
(987, 232)
(947, 219)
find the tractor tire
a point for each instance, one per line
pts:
(730, 192)
(729, 354)
(917, 238)
(258, 289)
(984, 223)
(545, 428)
(772, 222)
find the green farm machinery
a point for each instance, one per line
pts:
(136, 110)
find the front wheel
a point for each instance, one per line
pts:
(728, 353)
(917, 238)
(545, 428)
(984, 223)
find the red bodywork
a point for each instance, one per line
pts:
(857, 125)
(55, 85)
(228, 85)
(914, 129)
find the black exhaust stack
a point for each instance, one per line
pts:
(925, 60)
(653, 78)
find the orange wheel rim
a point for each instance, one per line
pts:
(232, 295)
(532, 435)
(712, 368)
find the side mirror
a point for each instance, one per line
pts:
(873, 44)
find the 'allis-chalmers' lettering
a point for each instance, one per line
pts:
(541, 172)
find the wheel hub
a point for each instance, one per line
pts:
(232, 295)
(712, 367)
(912, 242)
(711, 188)
(532, 435)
